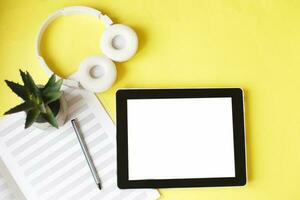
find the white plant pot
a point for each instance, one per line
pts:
(60, 117)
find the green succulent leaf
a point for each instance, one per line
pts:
(17, 88)
(32, 115)
(50, 82)
(21, 107)
(49, 116)
(33, 87)
(54, 87)
(42, 107)
(24, 78)
(51, 96)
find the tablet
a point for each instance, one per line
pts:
(180, 138)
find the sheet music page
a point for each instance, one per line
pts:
(5, 192)
(50, 164)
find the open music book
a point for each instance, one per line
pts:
(48, 165)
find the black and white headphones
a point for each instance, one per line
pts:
(96, 73)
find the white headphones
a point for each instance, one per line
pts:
(96, 73)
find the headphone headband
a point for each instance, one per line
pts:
(63, 12)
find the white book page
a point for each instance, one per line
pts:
(50, 164)
(5, 192)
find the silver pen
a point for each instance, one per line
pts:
(86, 153)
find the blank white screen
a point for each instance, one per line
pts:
(180, 138)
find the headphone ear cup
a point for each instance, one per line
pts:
(97, 73)
(119, 42)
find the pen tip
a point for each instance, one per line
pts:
(99, 186)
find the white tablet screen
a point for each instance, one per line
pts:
(180, 138)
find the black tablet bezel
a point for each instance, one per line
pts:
(239, 137)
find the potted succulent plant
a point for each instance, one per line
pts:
(44, 105)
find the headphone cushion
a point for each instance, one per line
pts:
(125, 36)
(97, 73)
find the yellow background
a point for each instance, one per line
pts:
(250, 44)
